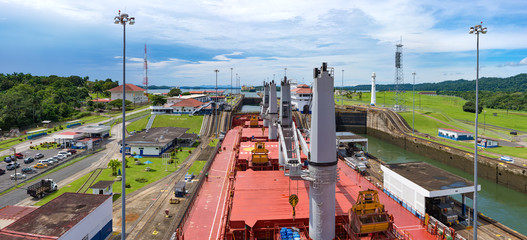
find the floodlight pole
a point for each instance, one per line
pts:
(123, 19)
(476, 30)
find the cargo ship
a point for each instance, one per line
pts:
(274, 180)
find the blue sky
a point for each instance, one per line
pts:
(187, 40)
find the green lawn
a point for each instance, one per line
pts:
(137, 125)
(157, 171)
(168, 120)
(449, 110)
(213, 142)
(446, 108)
(196, 167)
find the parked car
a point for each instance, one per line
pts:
(40, 165)
(18, 176)
(28, 170)
(507, 159)
(61, 157)
(49, 161)
(8, 159)
(72, 151)
(67, 154)
(29, 160)
(19, 155)
(12, 166)
(39, 156)
(2, 171)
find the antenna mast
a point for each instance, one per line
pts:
(399, 76)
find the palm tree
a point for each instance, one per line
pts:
(114, 164)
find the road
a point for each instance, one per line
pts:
(70, 173)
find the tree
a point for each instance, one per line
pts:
(114, 164)
(157, 100)
(174, 92)
(118, 103)
(471, 107)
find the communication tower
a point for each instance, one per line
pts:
(399, 76)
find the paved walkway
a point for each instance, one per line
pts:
(205, 218)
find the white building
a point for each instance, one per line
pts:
(413, 184)
(182, 104)
(455, 134)
(134, 93)
(69, 216)
(155, 141)
(301, 98)
(102, 187)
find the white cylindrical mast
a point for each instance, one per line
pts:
(323, 161)
(273, 111)
(286, 120)
(373, 94)
(265, 105)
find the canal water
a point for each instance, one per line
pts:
(504, 205)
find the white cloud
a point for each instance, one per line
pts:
(260, 38)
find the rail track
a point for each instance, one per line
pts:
(91, 179)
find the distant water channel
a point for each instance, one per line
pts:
(500, 203)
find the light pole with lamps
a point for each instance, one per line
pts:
(123, 19)
(216, 101)
(476, 30)
(413, 105)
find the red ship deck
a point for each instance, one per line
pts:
(255, 133)
(247, 147)
(205, 218)
(260, 198)
(263, 196)
(404, 220)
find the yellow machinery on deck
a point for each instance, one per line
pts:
(259, 154)
(253, 122)
(368, 217)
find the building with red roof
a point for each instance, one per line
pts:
(134, 93)
(69, 216)
(301, 98)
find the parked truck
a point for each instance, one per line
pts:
(40, 189)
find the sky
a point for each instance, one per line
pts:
(187, 40)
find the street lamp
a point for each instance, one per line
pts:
(237, 84)
(476, 30)
(413, 106)
(216, 101)
(123, 19)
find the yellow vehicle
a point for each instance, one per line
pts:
(40, 165)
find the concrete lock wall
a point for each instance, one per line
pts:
(382, 125)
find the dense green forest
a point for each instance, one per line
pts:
(26, 100)
(488, 99)
(516, 83)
